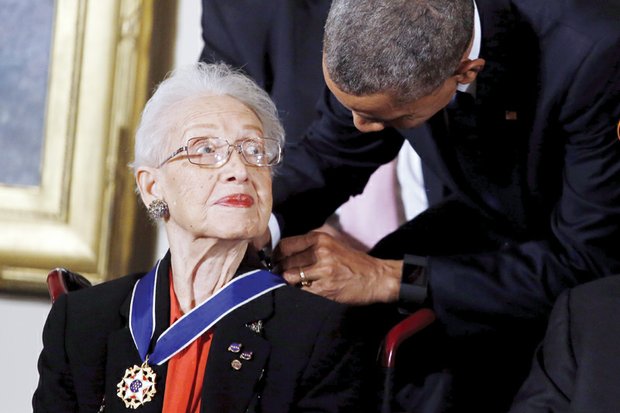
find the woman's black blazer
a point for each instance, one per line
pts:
(309, 356)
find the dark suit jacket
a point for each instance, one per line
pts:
(308, 357)
(576, 367)
(536, 200)
(533, 168)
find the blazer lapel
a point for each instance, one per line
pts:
(232, 381)
(478, 151)
(431, 140)
(431, 143)
(505, 90)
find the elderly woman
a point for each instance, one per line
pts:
(200, 333)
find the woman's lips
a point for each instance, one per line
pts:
(236, 201)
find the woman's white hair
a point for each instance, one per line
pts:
(197, 80)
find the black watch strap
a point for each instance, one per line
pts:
(414, 282)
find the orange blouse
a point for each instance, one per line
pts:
(186, 369)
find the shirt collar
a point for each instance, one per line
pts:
(475, 49)
(474, 53)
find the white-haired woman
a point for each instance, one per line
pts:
(199, 333)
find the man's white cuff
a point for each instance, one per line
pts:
(274, 229)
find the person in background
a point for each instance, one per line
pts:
(202, 332)
(513, 104)
(575, 369)
(278, 44)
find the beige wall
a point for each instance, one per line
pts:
(21, 321)
(22, 318)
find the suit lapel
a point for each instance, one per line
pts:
(235, 389)
(432, 143)
(498, 27)
(506, 90)
(478, 151)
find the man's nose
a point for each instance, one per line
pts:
(364, 125)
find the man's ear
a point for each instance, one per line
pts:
(147, 182)
(468, 70)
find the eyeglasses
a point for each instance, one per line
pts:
(214, 152)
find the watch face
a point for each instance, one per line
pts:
(414, 283)
(413, 274)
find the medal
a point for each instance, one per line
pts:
(137, 386)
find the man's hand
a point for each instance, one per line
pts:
(336, 271)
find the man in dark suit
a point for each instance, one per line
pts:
(576, 367)
(522, 134)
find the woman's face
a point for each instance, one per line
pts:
(229, 202)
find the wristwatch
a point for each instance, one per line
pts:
(414, 282)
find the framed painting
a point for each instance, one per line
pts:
(74, 76)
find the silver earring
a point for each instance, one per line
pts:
(158, 209)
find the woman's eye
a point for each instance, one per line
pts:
(205, 149)
(254, 148)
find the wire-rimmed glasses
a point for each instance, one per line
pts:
(214, 152)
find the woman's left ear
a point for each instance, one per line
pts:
(468, 70)
(146, 180)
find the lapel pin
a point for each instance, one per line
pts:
(236, 364)
(246, 355)
(511, 115)
(256, 326)
(235, 347)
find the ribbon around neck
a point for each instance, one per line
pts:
(185, 330)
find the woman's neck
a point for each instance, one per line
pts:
(204, 267)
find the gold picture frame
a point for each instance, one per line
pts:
(84, 214)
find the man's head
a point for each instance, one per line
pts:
(399, 53)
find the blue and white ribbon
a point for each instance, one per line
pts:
(201, 318)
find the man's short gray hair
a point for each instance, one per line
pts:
(406, 48)
(158, 124)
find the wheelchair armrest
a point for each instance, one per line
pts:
(61, 281)
(414, 323)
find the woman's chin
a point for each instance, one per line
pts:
(237, 234)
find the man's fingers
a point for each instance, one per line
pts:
(309, 282)
(293, 245)
(298, 274)
(305, 258)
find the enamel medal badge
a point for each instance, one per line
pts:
(137, 386)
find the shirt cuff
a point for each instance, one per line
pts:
(414, 283)
(274, 229)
